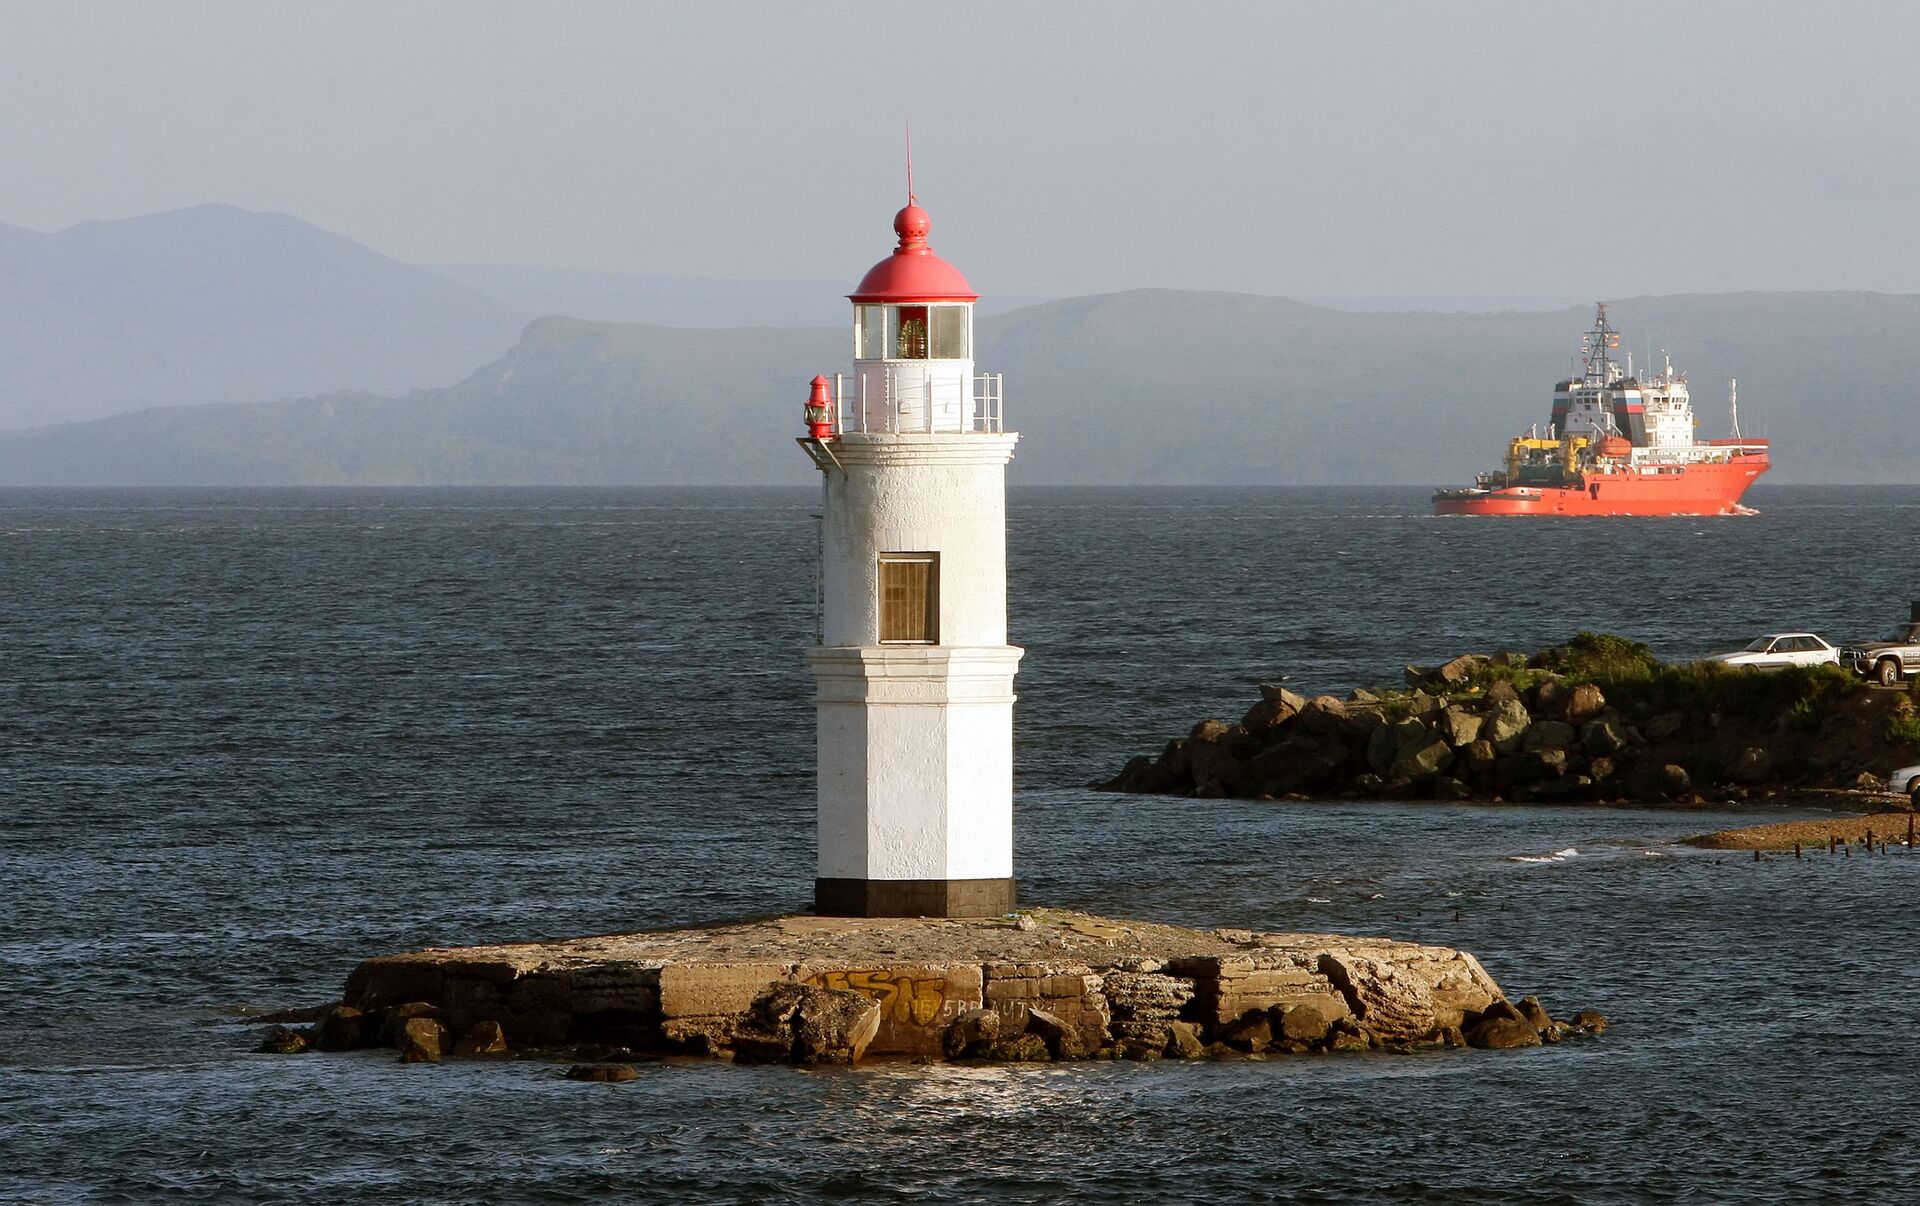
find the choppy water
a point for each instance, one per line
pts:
(249, 737)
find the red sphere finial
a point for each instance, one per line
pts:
(912, 225)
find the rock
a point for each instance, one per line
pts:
(283, 1040)
(1423, 705)
(1480, 756)
(1868, 781)
(1063, 1041)
(1601, 769)
(1505, 724)
(1535, 1014)
(1674, 779)
(1584, 703)
(1550, 699)
(1183, 1042)
(1361, 723)
(342, 1029)
(1022, 1048)
(1754, 765)
(1389, 1001)
(1665, 725)
(393, 1022)
(807, 1024)
(422, 1040)
(1501, 691)
(1309, 1019)
(970, 1034)
(1501, 1034)
(1546, 735)
(1252, 1033)
(1446, 787)
(1413, 675)
(1456, 672)
(1143, 1004)
(1564, 787)
(1346, 1040)
(603, 1073)
(482, 1038)
(1209, 730)
(1271, 713)
(1385, 743)
(1517, 770)
(1360, 696)
(1396, 789)
(1423, 761)
(1136, 776)
(1275, 693)
(1369, 784)
(1589, 1021)
(1459, 726)
(1213, 767)
(1299, 762)
(1323, 714)
(1602, 737)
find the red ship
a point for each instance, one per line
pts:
(1617, 445)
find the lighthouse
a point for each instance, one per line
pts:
(913, 675)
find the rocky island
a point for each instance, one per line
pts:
(1032, 986)
(1595, 719)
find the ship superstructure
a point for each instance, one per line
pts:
(1615, 444)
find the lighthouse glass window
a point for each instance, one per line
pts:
(870, 333)
(950, 333)
(909, 598)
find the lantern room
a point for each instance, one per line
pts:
(913, 344)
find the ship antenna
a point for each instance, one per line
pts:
(1733, 403)
(1599, 365)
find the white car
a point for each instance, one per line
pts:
(1778, 649)
(1901, 782)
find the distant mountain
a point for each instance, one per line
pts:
(1149, 386)
(671, 301)
(215, 304)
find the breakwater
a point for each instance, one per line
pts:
(1595, 719)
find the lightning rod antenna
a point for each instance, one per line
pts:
(910, 199)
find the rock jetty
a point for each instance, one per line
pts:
(1597, 719)
(1038, 985)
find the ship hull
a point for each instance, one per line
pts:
(1698, 489)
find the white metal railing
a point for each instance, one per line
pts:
(924, 405)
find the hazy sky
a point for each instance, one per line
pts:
(1430, 150)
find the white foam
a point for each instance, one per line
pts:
(1558, 856)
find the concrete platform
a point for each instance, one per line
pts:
(1093, 985)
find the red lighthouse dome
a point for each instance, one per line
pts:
(913, 273)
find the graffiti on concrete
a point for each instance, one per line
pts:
(903, 998)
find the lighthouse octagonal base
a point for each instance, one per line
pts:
(914, 897)
(915, 779)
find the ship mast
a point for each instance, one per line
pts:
(1594, 346)
(1733, 403)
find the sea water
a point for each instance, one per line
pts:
(248, 738)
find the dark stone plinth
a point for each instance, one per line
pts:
(913, 897)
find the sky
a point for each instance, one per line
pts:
(1380, 153)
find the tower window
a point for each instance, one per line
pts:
(910, 598)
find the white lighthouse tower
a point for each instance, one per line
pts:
(913, 673)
